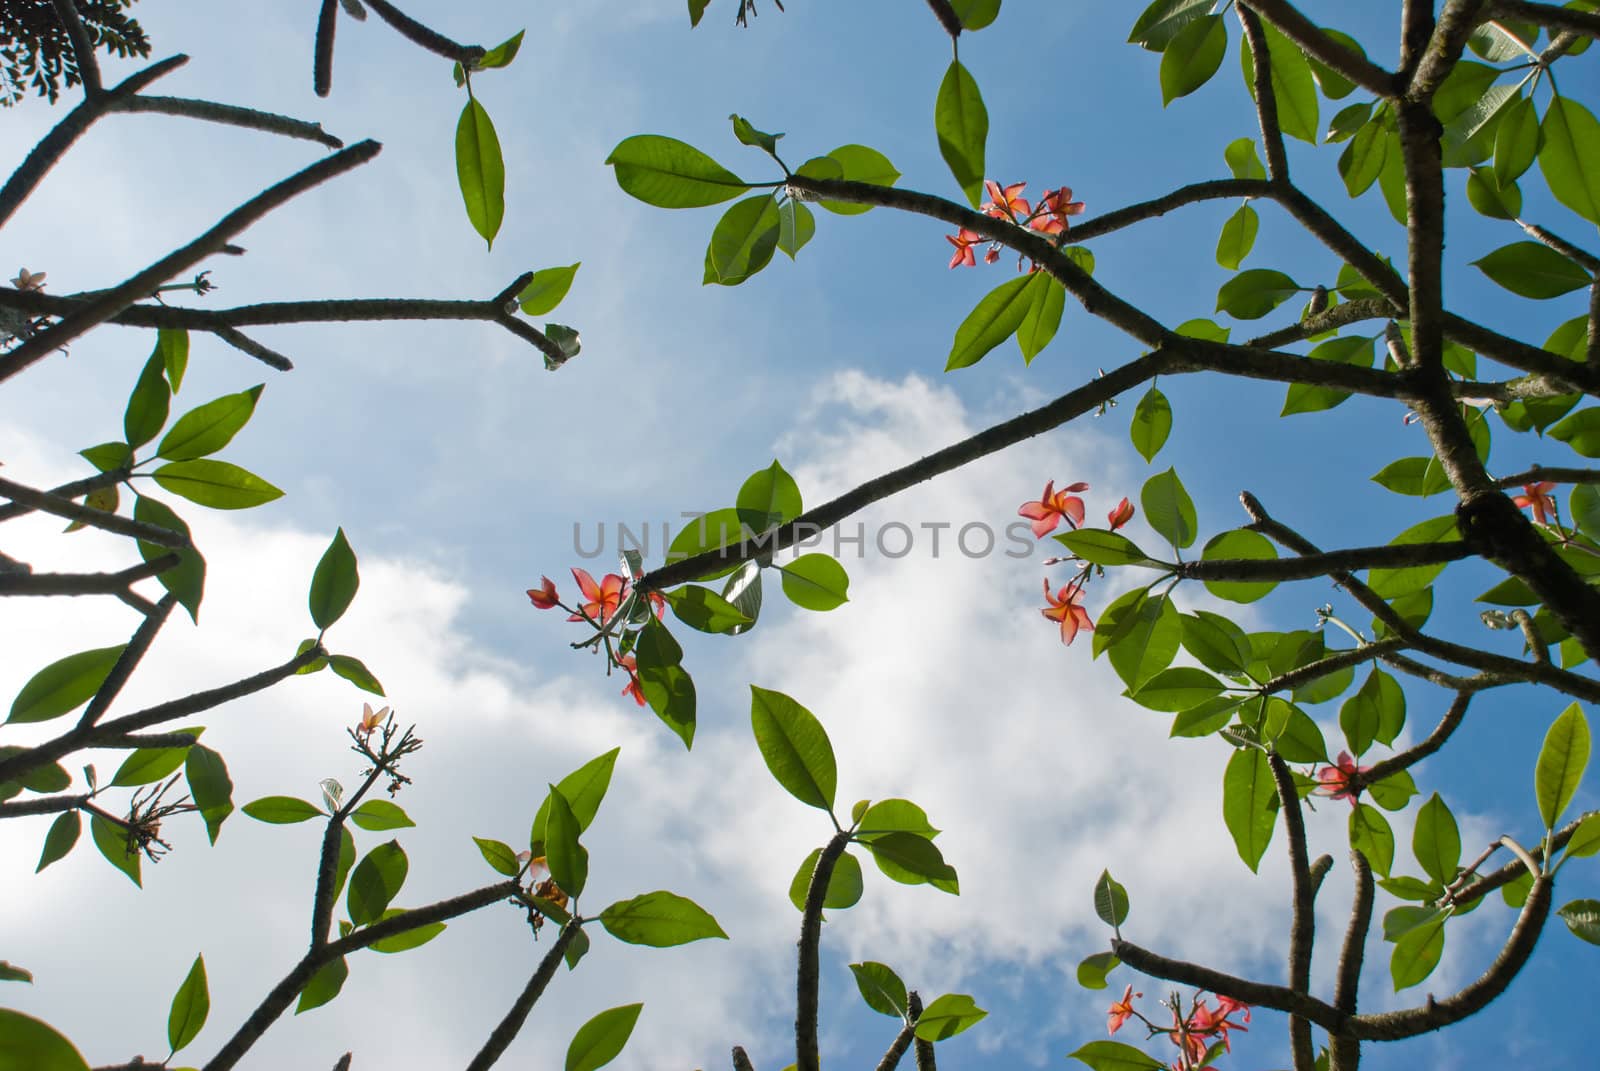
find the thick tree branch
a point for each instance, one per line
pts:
(84, 583)
(110, 302)
(506, 1030)
(1554, 474)
(1344, 1054)
(1305, 33)
(82, 47)
(947, 17)
(50, 502)
(1276, 997)
(1456, 23)
(897, 1048)
(1266, 99)
(806, 1055)
(924, 1049)
(138, 645)
(229, 114)
(1304, 567)
(1550, 16)
(1302, 923)
(322, 57)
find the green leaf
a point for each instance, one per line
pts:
(62, 837)
(769, 497)
(1489, 198)
(1583, 919)
(857, 163)
(334, 584)
(1334, 85)
(498, 855)
(1093, 969)
(1110, 900)
(962, 123)
(667, 173)
(881, 988)
(667, 687)
(173, 345)
(1176, 689)
(187, 579)
(1100, 547)
(1583, 507)
(1216, 642)
(1533, 270)
(703, 609)
(1371, 836)
(948, 1016)
(1115, 1056)
(405, 940)
(210, 787)
(845, 884)
(796, 226)
(1149, 643)
(112, 841)
(323, 986)
(659, 919)
(148, 404)
(601, 1039)
(375, 881)
(1569, 157)
(63, 685)
(546, 289)
(975, 14)
(1169, 509)
(1419, 476)
(1417, 953)
(356, 672)
(795, 747)
(991, 322)
(1408, 888)
(569, 860)
(1249, 804)
(710, 531)
(1581, 431)
(1516, 141)
(1162, 21)
(190, 1006)
(1252, 294)
(577, 949)
(1562, 759)
(1306, 398)
(108, 456)
(697, 8)
(1192, 57)
(1436, 841)
(743, 241)
(1292, 84)
(1238, 236)
(33, 1045)
(208, 428)
(1348, 121)
(912, 860)
(10, 972)
(1046, 299)
(147, 764)
(1152, 423)
(481, 170)
(815, 582)
(380, 814)
(217, 484)
(893, 816)
(281, 810)
(1242, 159)
(1362, 160)
(584, 789)
(749, 135)
(1389, 583)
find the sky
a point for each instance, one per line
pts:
(460, 469)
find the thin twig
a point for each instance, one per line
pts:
(138, 645)
(808, 974)
(82, 47)
(418, 34)
(1266, 99)
(230, 114)
(506, 1030)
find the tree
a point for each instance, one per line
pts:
(1411, 130)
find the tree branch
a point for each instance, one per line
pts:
(68, 491)
(1305, 33)
(507, 1028)
(230, 114)
(1302, 924)
(806, 1054)
(420, 35)
(1308, 566)
(1194, 193)
(1266, 100)
(1343, 1053)
(84, 583)
(50, 502)
(1417, 752)
(82, 47)
(138, 644)
(1550, 16)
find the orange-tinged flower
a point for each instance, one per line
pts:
(28, 280)
(1121, 515)
(370, 719)
(1005, 203)
(633, 689)
(963, 240)
(1065, 608)
(1335, 780)
(1227, 1006)
(1203, 1021)
(1052, 507)
(544, 596)
(1059, 204)
(1121, 1010)
(603, 598)
(1536, 496)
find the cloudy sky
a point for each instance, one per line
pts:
(459, 469)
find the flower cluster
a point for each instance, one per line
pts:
(602, 601)
(1049, 216)
(1047, 512)
(1195, 1034)
(1341, 781)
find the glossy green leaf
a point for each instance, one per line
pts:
(1209, 717)
(667, 173)
(1092, 970)
(1252, 294)
(1582, 918)
(858, 163)
(112, 841)
(962, 124)
(1371, 836)
(743, 241)
(1242, 158)
(187, 579)
(1348, 122)
(666, 685)
(1569, 156)
(498, 855)
(894, 816)
(1583, 508)
(697, 8)
(1516, 141)
(1562, 759)
(190, 1006)
(108, 456)
(210, 787)
(569, 860)
(1581, 431)
(796, 226)
(795, 747)
(1046, 299)
(991, 322)
(1100, 547)
(1152, 423)
(1163, 19)
(1192, 57)
(31, 1044)
(1238, 237)
(281, 810)
(1533, 270)
(1110, 900)
(1417, 953)
(912, 860)
(710, 531)
(323, 986)
(1216, 642)
(1149, 642)
(356, 672)
(1292, 83)
(1249, 804)
(659, 919)
(1175, 689)
(584, 790)
(845, 885)
(502, 54)
(334, 583)
(1169, 509)
(975, 14)
(61, 838)
(749, 135)
(380, 814)
(704, 610)
(546, 289)
(173, 345)
(1115, 1056)
(1436, 841)
(881, 988)
(375, 881)
(601, 1039)
(768, 497)
(1362, 160)
(217, 484)
(948, 1016)
(480, 170)
(815, 582)
(1419, 476)
(63, 685)
(208, 428)
(146, 412)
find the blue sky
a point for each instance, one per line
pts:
(458, 467)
